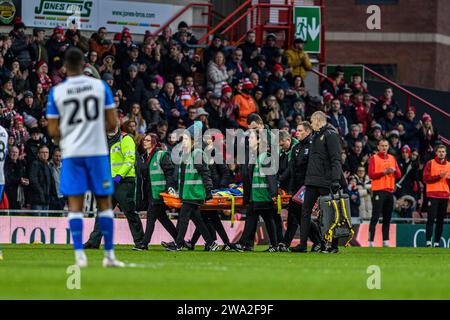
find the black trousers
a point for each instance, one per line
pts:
(214, 224)
(311, 196)
(294, 217)
(436, 212)
(157, 211)
(191, 211)
(383, 204)
(124, 196)
(251, 223)
(278, 225)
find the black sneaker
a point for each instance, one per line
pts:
(330, 250)
(237, 247)
(213, 247)
(189, 245)
(271, 249)
(140, 247)
(316, 248)
(299, 249)
(165, 244)
(89, 245)
(248, 248)
(227, 247)
(283, 247)
(172, 246)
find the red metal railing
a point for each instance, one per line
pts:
(230, 17)
(182, 11)
(409, 95)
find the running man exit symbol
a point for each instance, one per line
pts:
(307, 22)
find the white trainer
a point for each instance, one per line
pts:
(81, 259)
(112, 263)
(371, 244)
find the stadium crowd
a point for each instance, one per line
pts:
(164, 83)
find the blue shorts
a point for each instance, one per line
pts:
(2, 188)
(79, 175)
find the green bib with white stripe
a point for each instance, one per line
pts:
(193, 188)
(157, 178)
(260, 188)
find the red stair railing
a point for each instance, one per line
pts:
(182, 11)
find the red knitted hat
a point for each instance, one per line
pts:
(226, 88)
(426, 117)
(278, 67)
(247, 85)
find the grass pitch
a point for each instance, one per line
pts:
(39, 272)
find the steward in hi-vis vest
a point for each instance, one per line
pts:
(260, 192)
(194, 187)
(383, 170)
(158, 171)
(123, 159)
(436, 176)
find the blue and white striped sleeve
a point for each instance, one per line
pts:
(52, 110)
(109, 99)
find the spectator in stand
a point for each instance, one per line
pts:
(357, 157)
(270, 49)
(58, 73)
(93, 59)
(385, 104)
(15, 179)
(216, 118)
(390, 121)
(245, 103)
(217, 73)
(58, 201)
(436, 176)
(229, 109)
(298, 59)
(374, 137)
(40, 76)
(348, 108)
(171, 104)
(363, 111)
(7, 90)
(249, 48)
(336, 119)
(211, 51)
(297, 109)
(21, 44)
(395, 144)
(100, 44)
(165, 40)
(331, 84)
(32, 145)
(76, 39)
(38, 49)
(184, 28)
(355, 199)
(364, 188)
(132, 88)
(4, 71)
(57, 45)
(297, 91)
(354, 135)
(41, 182)
(151, 57)
(153, 113)
(19, 78)
(261, 69)
(409, 166)
(428, 137)
(136, 116)
(277, 80)
(7, 114)
(29, 106)
(131, 58)
(238, 66)
(357, 85)
(412, 127)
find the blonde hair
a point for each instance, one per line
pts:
(319, 116)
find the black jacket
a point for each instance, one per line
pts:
(296, 172)
(324, 164)
(247, 177)
(283, 168)
(220, 175)
(42, 184)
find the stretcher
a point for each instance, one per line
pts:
(221, 202)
